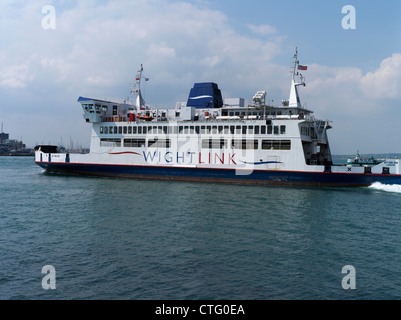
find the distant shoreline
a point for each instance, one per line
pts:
(17, 155)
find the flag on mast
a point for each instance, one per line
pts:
(300, 67)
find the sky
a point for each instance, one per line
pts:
(50, 57)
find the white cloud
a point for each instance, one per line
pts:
(15, 76)
(96, 49)
(363, 106)
(97, 81)
(263, 29)
(93, 42)
(161, 51)
(385, 82)
(59, 66)
(347, 90)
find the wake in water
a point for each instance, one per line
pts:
(386, 187)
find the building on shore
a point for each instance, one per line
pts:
(13, 147)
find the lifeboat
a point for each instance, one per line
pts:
(146, 118)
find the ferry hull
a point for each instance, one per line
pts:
(256, 177)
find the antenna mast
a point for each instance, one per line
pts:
(295, 63)
(136, 89)
(294, 100)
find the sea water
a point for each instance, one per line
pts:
(112, 238)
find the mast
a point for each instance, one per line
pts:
(136, 89)
(294, 100)
(295, 62)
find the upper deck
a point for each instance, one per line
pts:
(204, 103)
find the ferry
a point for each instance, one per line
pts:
(211, 139)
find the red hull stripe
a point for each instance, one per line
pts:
(125, 152)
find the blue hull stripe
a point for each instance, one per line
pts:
(264, 177)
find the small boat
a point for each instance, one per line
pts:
(146, 118)
(359, 161)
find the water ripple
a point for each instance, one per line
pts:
(130, 239)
